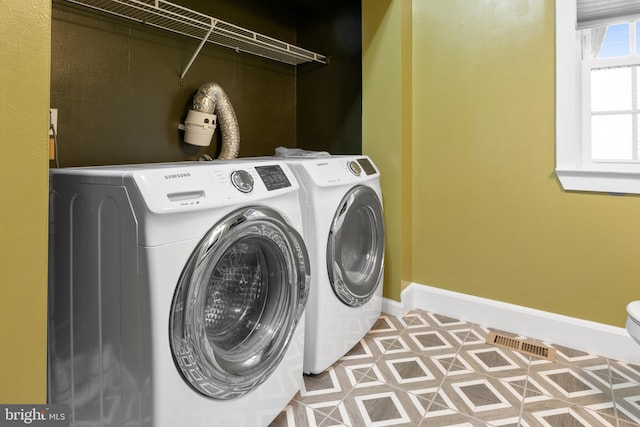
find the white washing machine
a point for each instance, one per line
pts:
(344, 231)
(176, 293)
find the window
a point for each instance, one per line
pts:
(610, 104)
(598, 96)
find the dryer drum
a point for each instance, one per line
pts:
(355, 248)
(238, 302)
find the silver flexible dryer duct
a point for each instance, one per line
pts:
(211, 98)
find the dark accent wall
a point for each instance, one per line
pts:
(116, 84)
(329, 97)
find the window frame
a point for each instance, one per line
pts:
(574, 169)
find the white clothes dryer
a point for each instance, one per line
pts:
(176, 293)
(343, 225)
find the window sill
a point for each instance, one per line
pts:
(599, 180)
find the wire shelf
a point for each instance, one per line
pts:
(177, 19)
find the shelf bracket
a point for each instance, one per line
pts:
(195, 54)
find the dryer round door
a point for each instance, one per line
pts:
(355, 250)
(238, 302)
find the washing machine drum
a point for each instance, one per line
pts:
(238, 302)
(355, 248)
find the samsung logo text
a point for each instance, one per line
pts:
(177, 175)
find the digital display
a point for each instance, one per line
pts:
(367, 166)
(273, 177)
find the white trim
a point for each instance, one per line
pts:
(579, 334)
(392, 307)
(568, 87)
(603, 181)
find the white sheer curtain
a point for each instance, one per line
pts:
(597, 37)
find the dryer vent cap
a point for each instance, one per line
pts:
(199, 127)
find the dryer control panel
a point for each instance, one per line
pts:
(339, 170)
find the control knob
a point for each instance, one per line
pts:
(355, 168)
(242, 180)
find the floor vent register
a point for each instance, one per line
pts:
(524, 346)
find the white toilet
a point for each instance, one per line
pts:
(633, 320)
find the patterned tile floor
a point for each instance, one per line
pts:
(430, 370)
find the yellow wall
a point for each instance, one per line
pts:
(386, 125)
(488, 216)
(24, 107)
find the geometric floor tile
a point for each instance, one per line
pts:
(444, 320)
(426, 370)
(359, 351)
(324, 383)
(568, 383)
(409, 370)
(382, 409)
(389, 345)
(493, 359)
(561, 417)
(480, 395)
(383, 324)
(429, 340)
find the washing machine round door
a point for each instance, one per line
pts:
(355, 250)
(238, 302)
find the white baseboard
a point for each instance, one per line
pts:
(393, 307)
(592, 337)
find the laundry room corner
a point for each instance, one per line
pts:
(387, 127)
